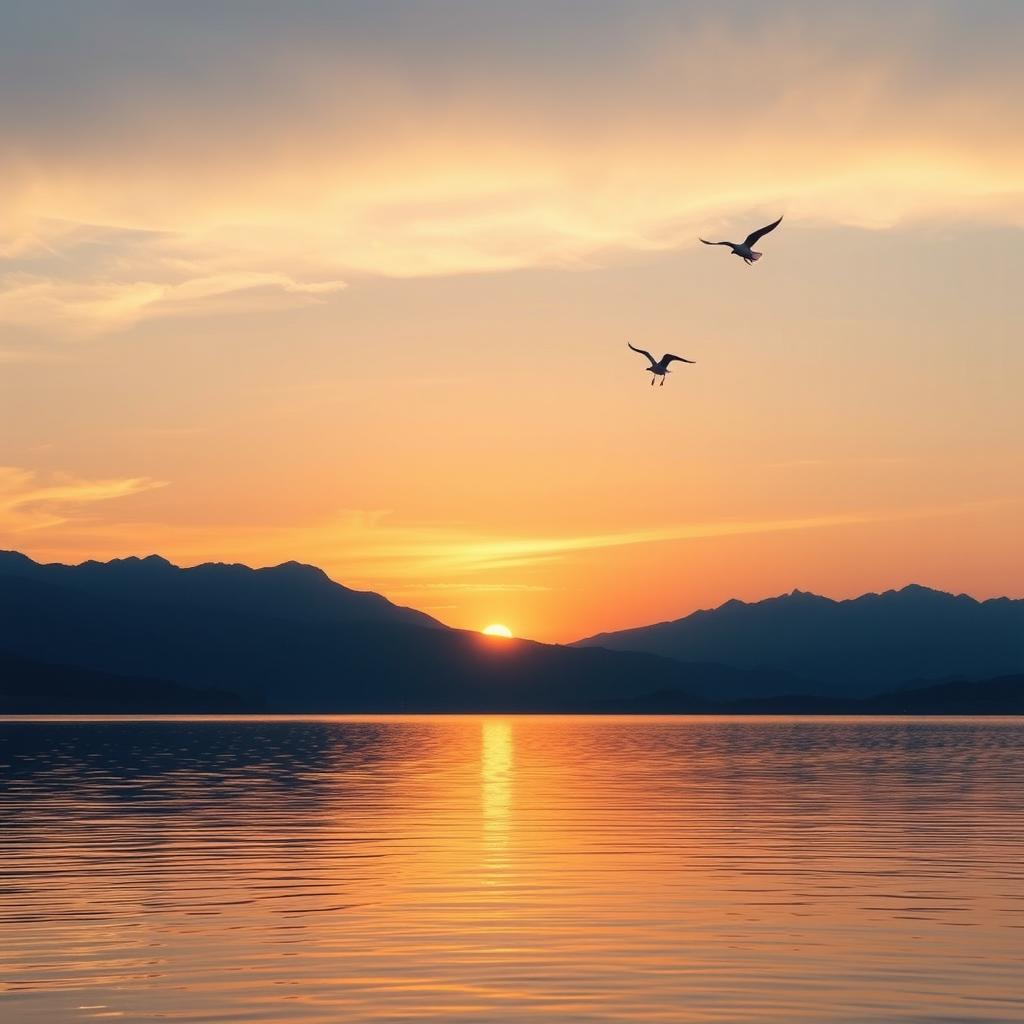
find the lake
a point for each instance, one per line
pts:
(487, 869)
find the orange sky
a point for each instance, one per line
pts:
(353, 286)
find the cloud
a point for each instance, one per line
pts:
(29, 502)
(80, 279)
(395, 552)
(524, 588)
(367, 549)
(257, 160)
(81, 308)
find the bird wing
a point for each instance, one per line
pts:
(642, 352)
(761, 232)
(706, 242)
(668, 357)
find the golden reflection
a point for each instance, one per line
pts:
(642, 869)
(496, 754)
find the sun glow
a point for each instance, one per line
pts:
(497, 629)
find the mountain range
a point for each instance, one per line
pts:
(292, 591)
(851, 648)
(288, 639)
(142, 635)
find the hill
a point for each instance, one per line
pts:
(146, 619)
(144, 635)
(844, 648)
(1001, 696)
(291, 591)
(39, 688)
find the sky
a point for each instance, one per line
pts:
(351, 284)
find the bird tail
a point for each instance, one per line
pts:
(755, 255)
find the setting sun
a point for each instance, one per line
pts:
(497, 629)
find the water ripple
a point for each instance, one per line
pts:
(507, 869)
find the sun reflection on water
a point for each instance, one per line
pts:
(496, 754)
(509, 869)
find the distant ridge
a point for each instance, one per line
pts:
(40, 688)
(291, 590)
(142, 634)
(851, 647)
(1002, 696)
(288, 639)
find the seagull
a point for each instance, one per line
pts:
(659, 367)
(743, 249)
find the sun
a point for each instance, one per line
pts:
(497, 629)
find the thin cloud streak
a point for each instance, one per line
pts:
(483, 588)
(332, 161)
(423, 554)
(85, 307)
(29, 503)
(364, 549)
(481, 574)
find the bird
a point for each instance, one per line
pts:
(659, 367)
(743, 248)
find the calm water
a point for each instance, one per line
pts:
(492, 870)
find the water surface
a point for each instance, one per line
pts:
(511, 869)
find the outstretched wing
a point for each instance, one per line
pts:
(668, 358)
(706, 242)
(642, 352)
(761, 232)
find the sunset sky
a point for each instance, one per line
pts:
(351, 284)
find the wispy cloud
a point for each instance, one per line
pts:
(78, 307)
(483, 588)
(386, 552)
(199, 192)
(368, 549)
(29, 501)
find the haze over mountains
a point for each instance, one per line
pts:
(144, 635)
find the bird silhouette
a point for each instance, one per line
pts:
(744, 248)
(659, 367)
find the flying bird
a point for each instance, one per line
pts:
(744, 248)
(659, 367)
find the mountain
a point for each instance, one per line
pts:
(142, 634)
(289, 640)
(39, 688)
(1002, 696)
(844, 648)
(289, 591)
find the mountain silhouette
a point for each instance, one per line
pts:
(144, 635)
(289, 640)
(289, 591)
(844, 648)
(40, 688)
(1002, 696)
